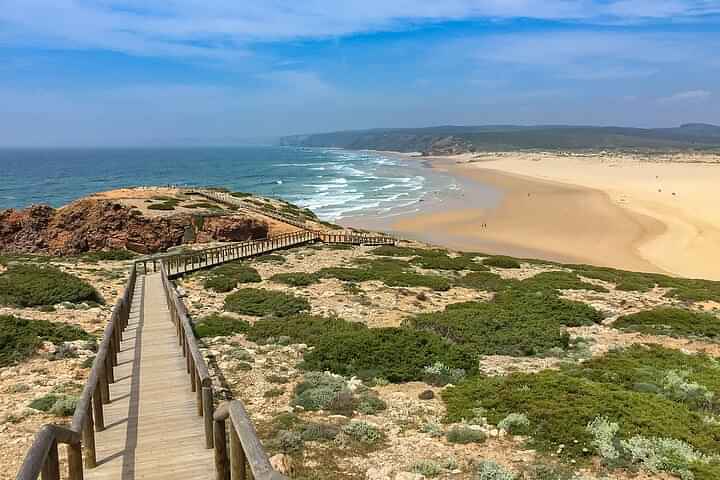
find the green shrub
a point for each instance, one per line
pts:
(370, 403)
(319, 432)
(552, 281)
(392, 251)
(273, 392)
(444, 262)
(306, 329)
(559, 406)
(515, 423)
(544, 305)
(295, 279)
(108, 255)
(370, 353)
(691, 290)
(318, 389)
(162, 206)
(288, 442)
(464, 434)
(216, 325)
(58, 405)
(489, 470)
(666, 372)
(33, 285)
(439, 374)
(427, 468)
(257, 302)
(220, 284)
(671, 321)
(270, 258)
(363, 432)
(501, 262)
(489, 328)
(20, 338)
(392, 273)
(486, 281)
(241, 194)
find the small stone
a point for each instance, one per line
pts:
(384, 473)
(409, 476)
(426, 395)
(283, 464)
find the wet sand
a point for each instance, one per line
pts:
(618, 212)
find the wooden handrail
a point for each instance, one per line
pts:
(42, 457)
(245, 447)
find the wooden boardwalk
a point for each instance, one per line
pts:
(153, 430)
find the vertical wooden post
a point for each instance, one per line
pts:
(193, 379)
(104, 387)
(75, 465)
(98, 408)
(88, 434)
(51, 467)
(198, 396)
(222, 469)
(208, 409)
(237, 456)
(109, 368)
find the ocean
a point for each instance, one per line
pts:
(334, 183)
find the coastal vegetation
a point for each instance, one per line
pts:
(258, 303)
(671, 321)
(30, 285)
(20, 338)
(227, 276)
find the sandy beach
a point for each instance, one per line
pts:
(657, 215)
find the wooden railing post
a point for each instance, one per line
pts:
(75, 462)
(98, 407)
(51, 468)
(207, 397)
(237, 456)
(88, 435)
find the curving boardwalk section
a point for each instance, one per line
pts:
(152, 428)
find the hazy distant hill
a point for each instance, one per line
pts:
(457, 139)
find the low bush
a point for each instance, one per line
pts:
(371, 353)
(515, 423)
(392, 273)
(678, 376)
(691, 290)
(58, 405)
(489, 470)
(553, 281)
(318, 389)
(444, 262)
(465, 434)
(306, 329)
(270, 258)
(295, 279)
(288, 442)
(217, 325)
(501, 262)
(20, 338)
(33, 285)
(486, 281)
(545, 305)
(676, 322)
(319, 432)
(241, 194)
(363, 432)
(166, 205)
(426, 468)
(108, 255)
(393, 251)
(370, 404)
(559, 405)
(220, 284)
(257, 302)
(439, 374)
(489, 328)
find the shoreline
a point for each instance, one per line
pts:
(607, 211)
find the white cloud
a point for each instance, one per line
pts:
(688, 96)
(224, 29)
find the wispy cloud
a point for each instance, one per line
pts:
(223, 29)
(687, 96)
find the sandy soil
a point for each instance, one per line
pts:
(621, 211)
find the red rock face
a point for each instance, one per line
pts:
(92, 225)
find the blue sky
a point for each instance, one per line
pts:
(137, 72)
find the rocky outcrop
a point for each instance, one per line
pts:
(92, 225)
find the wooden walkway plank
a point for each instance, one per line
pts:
(152, 427)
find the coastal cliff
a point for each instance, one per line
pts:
(95, 224)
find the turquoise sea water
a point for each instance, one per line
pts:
(334, 183)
